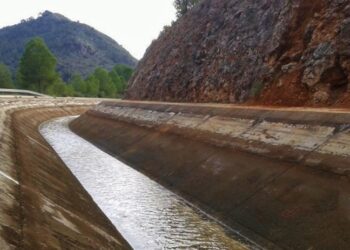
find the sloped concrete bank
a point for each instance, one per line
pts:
(45, 207)
(281, 177)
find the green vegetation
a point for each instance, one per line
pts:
(59, 88)
(102, 83)
(120, 76)
(37, 68)
(37, 71)
(182, 6)
(77, 47)
(79, 85)
(106, 86)
(5, 77)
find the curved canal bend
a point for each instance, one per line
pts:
(146, 214)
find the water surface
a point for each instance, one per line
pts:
(148, 215)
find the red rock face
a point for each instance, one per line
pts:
(273, 52)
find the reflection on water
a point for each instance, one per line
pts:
(148, 215)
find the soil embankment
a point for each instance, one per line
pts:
(45, 207)
(280, 176)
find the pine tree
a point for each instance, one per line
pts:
(123, 71)
(37, 68)
(120, 76)
(92, 86)
(107, 88)
(79, 85)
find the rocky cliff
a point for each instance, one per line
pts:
(273, 52)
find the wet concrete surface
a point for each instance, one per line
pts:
(148, 215)
(280, 202)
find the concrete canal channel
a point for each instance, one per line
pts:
(278, 177)
(148, 215)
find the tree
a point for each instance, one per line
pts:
(59, 88)
(107, 89)
(79, 85)
(37, 68)
(5, 77)
(120, 76)
(182, 6)
(56, 89)
(69, 90)
(92, 86)
(123, 71)
(118, 81)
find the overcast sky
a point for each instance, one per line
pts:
(132, 23)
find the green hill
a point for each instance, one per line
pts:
(79, 48)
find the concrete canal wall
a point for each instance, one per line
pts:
(279, 176)
(43, 206)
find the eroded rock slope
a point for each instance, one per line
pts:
(280, 52)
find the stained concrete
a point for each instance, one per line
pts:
(276, 175)
(311, 137)
(42, 205)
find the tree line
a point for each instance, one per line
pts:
(37, 72)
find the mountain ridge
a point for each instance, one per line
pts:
(79, 48)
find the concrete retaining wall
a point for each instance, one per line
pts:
(312, 138)
(281, 177)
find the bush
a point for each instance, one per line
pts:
(5, 77)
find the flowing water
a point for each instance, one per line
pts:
(148, 215)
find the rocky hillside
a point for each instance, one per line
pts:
(78, 47)
(273, 52)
